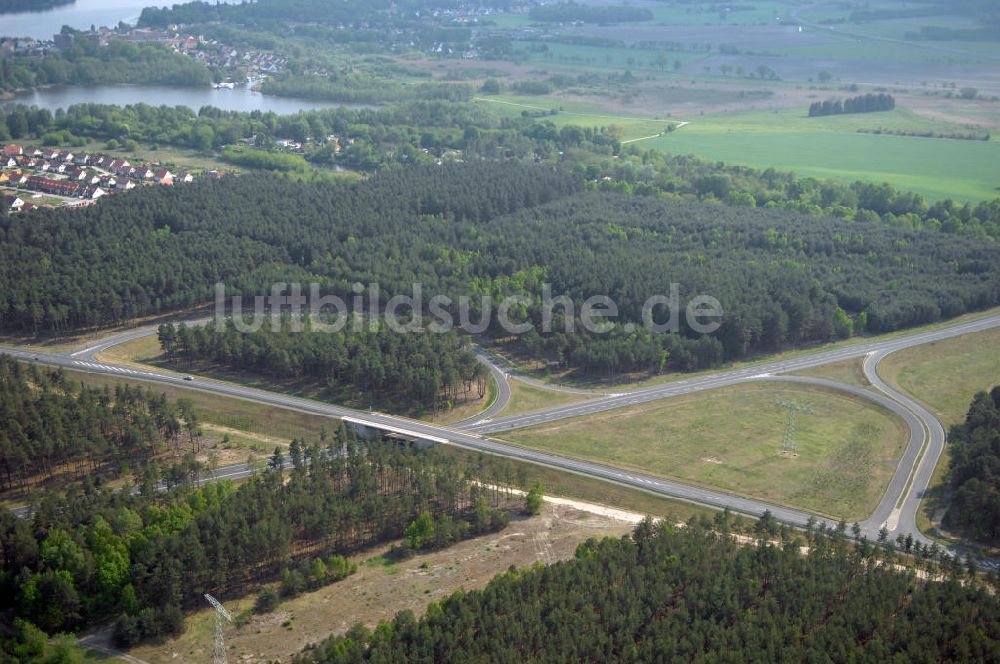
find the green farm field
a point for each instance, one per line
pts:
(596, 57)
(890, 28)
(757, 13)
(789, 140)
(573, 113)
(831, 148)
(910, 53)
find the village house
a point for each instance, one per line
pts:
(163, 176)
(86, 176)
(50, 186)
(119, 166)
(142, 172)
(76, 174)
(13, 202)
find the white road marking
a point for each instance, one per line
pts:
(893, 521)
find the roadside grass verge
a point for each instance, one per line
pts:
(232, 430)
(944, 376)
(467, 409)
(570, 485)
(260, 424)
(146, 350)
(849, 372)
(540, 371)
(254, 419)
(82, 338)
(525, 398)
(136, 351)
(845, 449)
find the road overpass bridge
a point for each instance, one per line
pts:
(365, 428)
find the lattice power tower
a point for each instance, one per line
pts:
(788, 442)
(220, 642)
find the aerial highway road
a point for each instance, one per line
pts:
(733, 377)
(903, 517)
(503, 394)
(89, 356)
(896, 511)
(454, 436)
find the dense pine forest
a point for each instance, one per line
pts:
(494, 229)
(782, 278)
(418, 132)
(419, 371)
(163, 249)
(145, 555)
(693, 594)
(53, 429)
(974, 469)
(86, 63)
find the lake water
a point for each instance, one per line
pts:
(80, 15)
(238, 99)
(84, 13)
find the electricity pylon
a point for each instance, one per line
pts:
(788, 442)
(220, 643)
